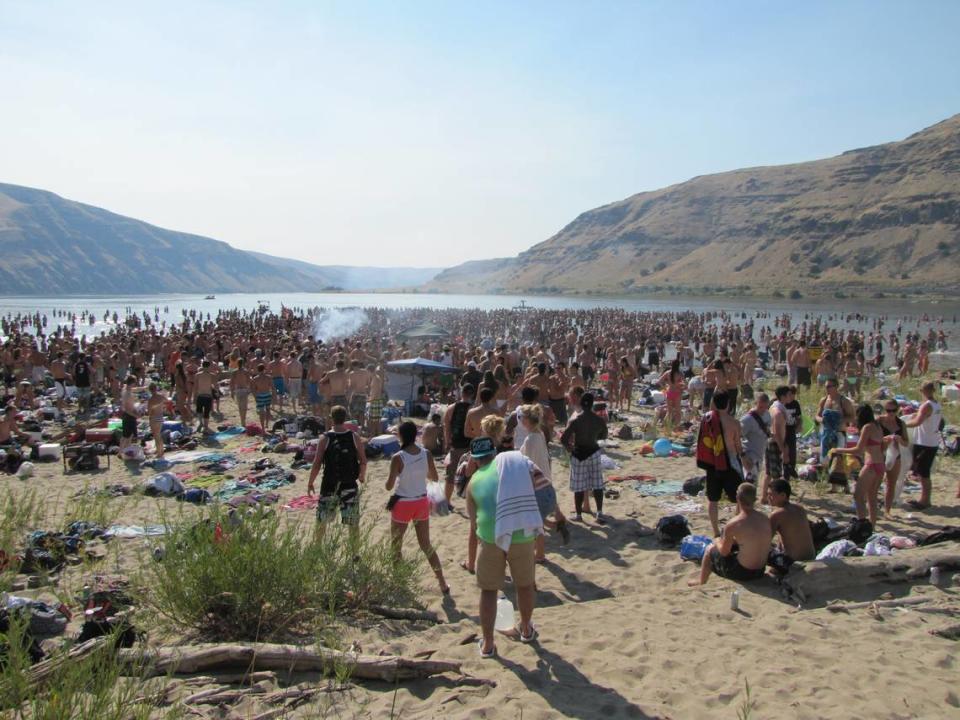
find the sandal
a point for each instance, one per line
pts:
(486, 655)
(463, 564)
(527, 639)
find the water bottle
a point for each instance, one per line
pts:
(505, 620)
(735, 600)
(935, 575)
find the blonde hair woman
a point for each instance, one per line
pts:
(535, 448)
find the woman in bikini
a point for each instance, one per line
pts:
(672, 383)
(613, 380)
(870, 448)
(181, 389)
(895, 432)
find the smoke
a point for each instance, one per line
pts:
(335, 323)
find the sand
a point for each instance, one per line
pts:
(622, 636)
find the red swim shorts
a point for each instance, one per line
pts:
(407, 511)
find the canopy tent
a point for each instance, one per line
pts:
(405, 376)
(424, 331)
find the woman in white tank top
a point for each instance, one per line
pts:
(409, 470)
(926, 441)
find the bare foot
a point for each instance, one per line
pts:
(694, 582)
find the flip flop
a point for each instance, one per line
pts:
(463, 564)
(527, 639)
(486, 655)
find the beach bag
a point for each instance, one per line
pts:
(671, 529)
(438, 499)
(694, 486)
(692, 547)
(859, 530)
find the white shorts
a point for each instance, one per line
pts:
(293, 387)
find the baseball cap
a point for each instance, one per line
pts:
(481, 447)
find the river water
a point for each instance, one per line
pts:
(170, 307)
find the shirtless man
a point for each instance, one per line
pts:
(358, 387)
(240, 389)
(790, 522)
(741, 552)
(293, 377)
(833, 400)
(778, 452)
(277, 377)
(203, 383)
(315, 374)
(59, 371)
(262, 387)
(377, 382)
(486, 407)
(334, 384)
(800, 359)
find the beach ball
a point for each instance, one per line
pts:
(662, 447)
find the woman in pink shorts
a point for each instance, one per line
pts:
(409, 470)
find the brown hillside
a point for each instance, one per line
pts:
(884, 218)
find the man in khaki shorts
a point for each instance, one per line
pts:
(492, 561)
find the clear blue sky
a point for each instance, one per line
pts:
(431, 133)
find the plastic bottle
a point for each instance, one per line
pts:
(935, 575)
(505, 619)
(735, 600)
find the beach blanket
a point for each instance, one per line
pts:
(303, 502)
(228, 433)
(830, 434)
(204, 481)
(668, 487)
(711, 449)
(134, 531)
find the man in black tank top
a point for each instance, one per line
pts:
(454, 432)
(340, 454)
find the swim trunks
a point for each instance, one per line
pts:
(774, 460)
(263, 400)
(278, 386)
(720, 482)
(728, 566)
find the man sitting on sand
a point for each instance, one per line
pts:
(790, 522)
(741, 553)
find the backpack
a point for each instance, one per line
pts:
(694, 486)
(671, 529)
(859, 530)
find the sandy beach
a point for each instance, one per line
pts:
(621, 634)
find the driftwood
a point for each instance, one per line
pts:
(840, 577)
(287, 658)
(847, 607)
(405, 614)
(41, 672)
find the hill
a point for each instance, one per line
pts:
(877, 219)
(54, 246)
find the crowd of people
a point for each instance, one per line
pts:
(526, 379)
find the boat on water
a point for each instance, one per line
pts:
(210, 297)
(522, 306)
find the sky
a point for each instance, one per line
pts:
(430, 133)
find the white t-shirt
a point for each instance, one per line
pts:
(535, 448)
(928, 432)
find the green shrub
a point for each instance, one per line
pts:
(87, 688)
(265, 576)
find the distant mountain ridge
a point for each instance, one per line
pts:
(876, 219)
(50, 245)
